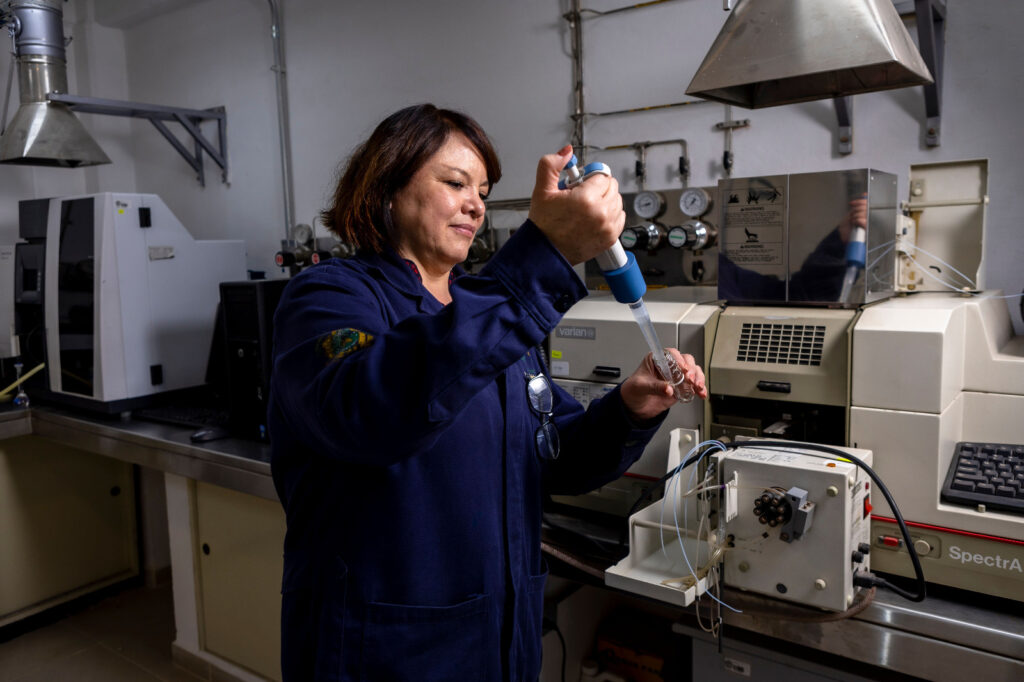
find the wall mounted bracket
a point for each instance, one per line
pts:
(189, 119)
(844, 114)
(931, 29)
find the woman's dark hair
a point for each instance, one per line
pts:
(360, 210)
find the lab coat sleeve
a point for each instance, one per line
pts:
(394, 397)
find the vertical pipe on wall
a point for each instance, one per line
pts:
(576, 28)
(277, 34)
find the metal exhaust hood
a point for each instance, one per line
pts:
(773, 52)
(44, 133)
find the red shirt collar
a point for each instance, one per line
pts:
(416, 271)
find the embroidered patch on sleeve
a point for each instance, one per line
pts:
(341, 342)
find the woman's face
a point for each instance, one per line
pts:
(439, 212)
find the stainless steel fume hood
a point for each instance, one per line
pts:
(773, 52)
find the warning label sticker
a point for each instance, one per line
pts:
(756, 254)
(755, 221)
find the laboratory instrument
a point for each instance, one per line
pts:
(785, 521)
(782, 372)
(781, 242)
(907, 377)
(627, 285)
(589, 357)
(674, 249)
(930, 371)
(116, 296)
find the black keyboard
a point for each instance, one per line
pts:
(991, 474)
(195, 417)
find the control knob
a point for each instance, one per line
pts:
(693, 234)
(649, 236)
(342, 250)
(319, 255)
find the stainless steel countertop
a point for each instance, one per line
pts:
(936, 639)
(240, 465)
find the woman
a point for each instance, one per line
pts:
(413, 427)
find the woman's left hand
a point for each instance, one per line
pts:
(646, 395)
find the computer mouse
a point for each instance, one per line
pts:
(209, 433)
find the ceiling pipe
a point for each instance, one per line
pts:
(277, 35)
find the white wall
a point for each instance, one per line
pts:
(507, 64)
(205, 55)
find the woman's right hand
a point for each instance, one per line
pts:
(580, 221)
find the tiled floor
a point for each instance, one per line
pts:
(123, 638)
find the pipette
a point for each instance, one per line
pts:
(626, 282)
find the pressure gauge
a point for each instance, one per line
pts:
(648, 205)
(694, 202)
(302, 233)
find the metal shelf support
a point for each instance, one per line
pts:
(844, 113)
(189, 119)
(931, 29)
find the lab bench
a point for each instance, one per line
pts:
(227, 530)
(225, 527)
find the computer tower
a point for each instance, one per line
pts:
(248, 336)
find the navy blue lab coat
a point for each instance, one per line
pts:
(403, 453)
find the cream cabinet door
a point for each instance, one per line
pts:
(239, 548)
(67, 524)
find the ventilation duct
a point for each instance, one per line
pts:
(773, 52)
(43, 133)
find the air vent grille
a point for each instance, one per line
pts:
(784, 344)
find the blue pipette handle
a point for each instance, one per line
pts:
(619, 268)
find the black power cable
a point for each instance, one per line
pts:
(553, 626)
